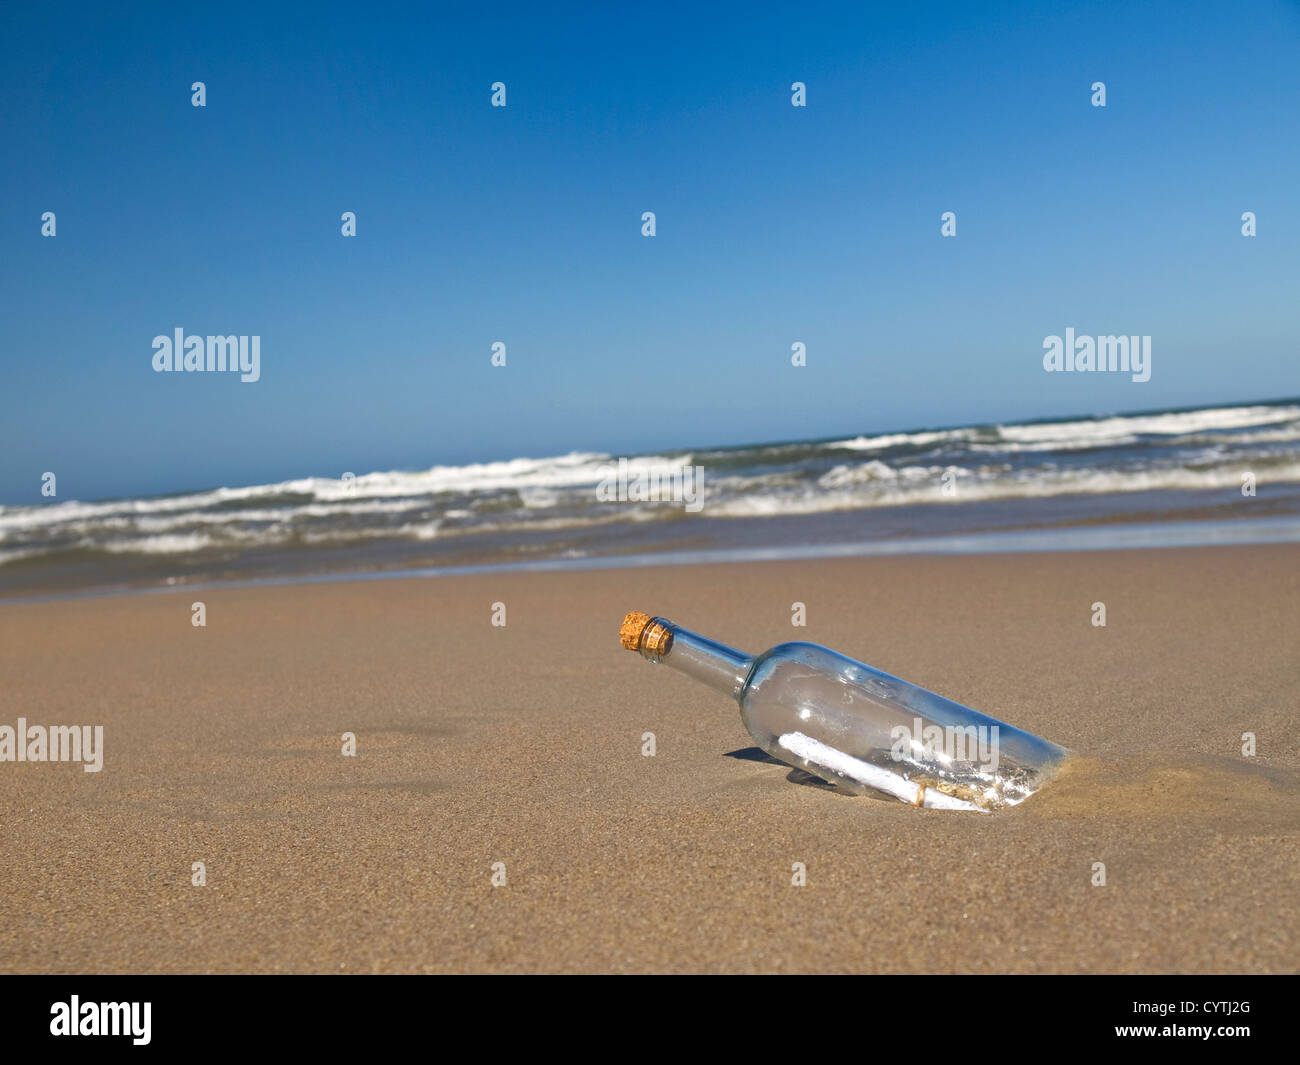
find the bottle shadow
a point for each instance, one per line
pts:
(795, 776)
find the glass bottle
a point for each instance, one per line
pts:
(856, 727)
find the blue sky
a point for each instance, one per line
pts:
(477, 224)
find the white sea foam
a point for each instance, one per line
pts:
(894, 440)
(360, 495)
(160, 545)
(847, 491)
(1126, 427)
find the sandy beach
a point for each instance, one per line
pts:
(522, 745)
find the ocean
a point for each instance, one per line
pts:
(1203, 475)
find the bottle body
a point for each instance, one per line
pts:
(864, 730)
(856, 726)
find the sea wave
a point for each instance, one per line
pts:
(1204, 449)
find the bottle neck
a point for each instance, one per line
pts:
(721, 667)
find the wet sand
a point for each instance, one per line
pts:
(522, 745)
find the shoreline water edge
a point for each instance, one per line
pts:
(1195, 477)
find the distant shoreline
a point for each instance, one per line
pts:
(1112, 537)
(1225, 464)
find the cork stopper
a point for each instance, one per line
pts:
(629, 633)
(651, 636)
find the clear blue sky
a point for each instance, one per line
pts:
(522, 224)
